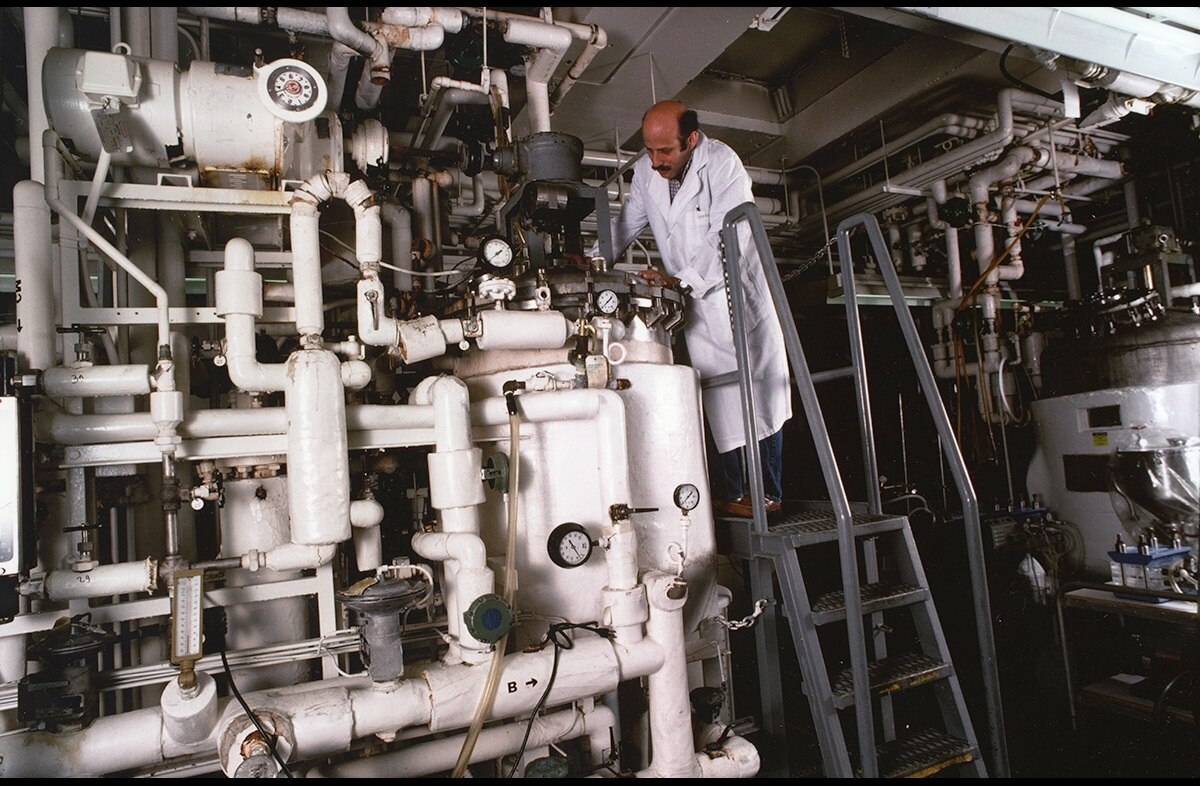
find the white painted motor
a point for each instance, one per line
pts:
(244, 127)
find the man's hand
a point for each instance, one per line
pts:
(659, 278)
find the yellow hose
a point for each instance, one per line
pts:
(510, 583)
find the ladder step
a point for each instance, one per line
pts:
(831, 606)
(809, 527)
(926, 754)
(890, 675)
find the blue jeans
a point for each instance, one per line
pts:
(730, 471)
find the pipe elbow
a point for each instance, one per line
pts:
(356, 374)
(366, 513)
(465, 547)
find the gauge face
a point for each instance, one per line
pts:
(607, 301)
(687, 496)
(496, 252)
(292, 88)
(569, 545)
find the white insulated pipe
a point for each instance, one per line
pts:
(416, 38)
(670, 709)
(340, 57)
(478, 203)
(9, 336)
(306, 259)
(738, 757)
(365, 517)
(318, 467)
(448, 100)
(33, 266)
(164, 35)
(343, 30)
(67, 429)
(306, 249)
(422, 195)
(533, 33)
(456, 491)
(399, 221)
(1102, 257)
(89, 381)
(102, 748)
(522, 330)
(325, 718)
(289, 556)
(135, 24)
(190, 716)
(593, 37)
(1014, 265)
(103, 163)
(239, 302)
(101, 581)
(449, 19)
(979, 186)
(552, 43)
(467, 577)
(41, 35)
(593, 44)
(422, 758)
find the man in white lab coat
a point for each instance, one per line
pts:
(682, 188)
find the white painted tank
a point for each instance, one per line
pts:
(1078, 434)
(563, 478)
(255, 516)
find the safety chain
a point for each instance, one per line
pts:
(806, 264)
(760, 605)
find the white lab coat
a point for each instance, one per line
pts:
(688, 234)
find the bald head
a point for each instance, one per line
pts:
(670, 133)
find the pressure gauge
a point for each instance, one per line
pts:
(496, 252)
(607, 301)
(686, 496)
(292, 90)
(569, 545)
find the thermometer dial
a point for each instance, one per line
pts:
(569, 545)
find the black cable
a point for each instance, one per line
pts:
(269, 739)
(556, 635)
(1019, 82)
(1160, 702)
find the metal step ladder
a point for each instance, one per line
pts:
(855, 613)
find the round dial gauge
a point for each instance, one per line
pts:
(686, 496)
(607, 301)
(569, 545)
(292, 90)
(496, 252)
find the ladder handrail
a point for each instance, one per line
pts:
(802, 378)
(958, 468)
